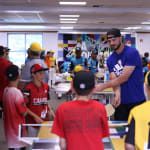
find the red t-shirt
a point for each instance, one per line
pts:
(3, 81)
(82, 123)
(13, 107)
(37, 101)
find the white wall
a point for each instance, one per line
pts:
(3, 39)
(50, 41)
(143, 42)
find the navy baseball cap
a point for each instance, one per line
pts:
(84, 80)
(2, 50)
(114, 32)
(12, 72)
(95, 51)
(78, 49)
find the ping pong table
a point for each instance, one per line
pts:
(49, 141)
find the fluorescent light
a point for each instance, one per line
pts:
(122, 33)
(147, 22)
(20, 11)
(68, 19)
(73, 16)
(64, 28)
(134, 28)
(72, 3)
(68, 22)
(21, 27)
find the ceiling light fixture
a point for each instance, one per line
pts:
(147, 22)
(134, 28)
(21, 27)
(68, 22)
(65, 28)
(72, 3)
(69, 19)
(19, 11)
(71, 16)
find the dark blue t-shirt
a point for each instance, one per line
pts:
(132, 91)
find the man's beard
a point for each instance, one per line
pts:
(117, 46)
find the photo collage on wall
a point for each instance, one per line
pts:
(88, 42)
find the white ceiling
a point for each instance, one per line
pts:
(96, 16)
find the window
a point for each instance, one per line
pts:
(19, 44)
(30, 38)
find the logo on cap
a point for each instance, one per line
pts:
(82, 86)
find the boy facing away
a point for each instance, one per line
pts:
(38, 94)
(15, 110)
(81, 124)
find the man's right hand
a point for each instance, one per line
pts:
(116, 101)
(98, 88)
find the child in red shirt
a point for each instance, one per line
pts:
(81, 124)
(15, 110)
(38, 93)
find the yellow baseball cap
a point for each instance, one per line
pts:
(147, 78)
(43, 49)
(36, 47)
(51, 51)
(74, 50)
(78, 68)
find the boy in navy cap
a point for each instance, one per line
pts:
(92, 61)
(78, 60)
(81, 124)
(15, 110)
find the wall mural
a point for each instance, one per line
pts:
(68, 42)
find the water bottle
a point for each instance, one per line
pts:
(107, 76)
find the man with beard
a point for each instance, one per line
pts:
(125, 68)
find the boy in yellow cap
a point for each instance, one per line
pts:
(52, 60)
(138, 136)
(52, 67)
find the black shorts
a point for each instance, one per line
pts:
(123, 110)
(130, 137)
(1, 104)
(131, 133)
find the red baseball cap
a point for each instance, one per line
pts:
(37, 68)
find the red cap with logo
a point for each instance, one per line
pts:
(37, 68)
